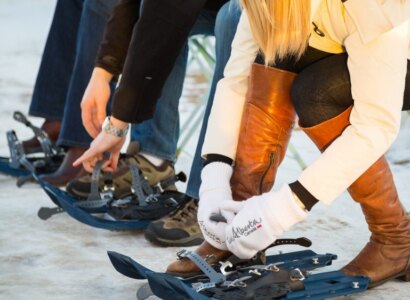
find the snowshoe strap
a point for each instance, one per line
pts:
(282, 282)
(48, 148)
(304, 242)
(16, 149)
(27, 164)
(234, 262)
(140, 186)
(95, 195)
(162, 185)
(269, 282)
(214, 277)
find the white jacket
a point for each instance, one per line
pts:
(376, 36)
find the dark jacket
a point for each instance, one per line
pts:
(144, 49)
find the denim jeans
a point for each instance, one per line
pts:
(225, 29)
(67, 64)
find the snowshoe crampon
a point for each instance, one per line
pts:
(22, 165)
(101, 210)
(281, 276)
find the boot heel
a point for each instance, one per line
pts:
(405, 277)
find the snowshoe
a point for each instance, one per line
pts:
(260, 283)
(22, 165)
(101, 210)
(282, 276)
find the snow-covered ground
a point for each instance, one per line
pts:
(63, 259)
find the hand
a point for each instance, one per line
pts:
(260, 220)
(215, 190)
(104, 142)
(95, 99)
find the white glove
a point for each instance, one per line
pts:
(215, 191)
(260, 220)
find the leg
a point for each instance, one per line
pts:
(387, 254)
(159, 135)
(73, 135)
(225, 29)
(182, 227)
(57, 62)
(55, 70)
(93, 20)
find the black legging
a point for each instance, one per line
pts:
(322, 89)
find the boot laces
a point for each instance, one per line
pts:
(188, 210)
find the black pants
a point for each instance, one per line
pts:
(322, 89)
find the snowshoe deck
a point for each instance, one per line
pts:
(86, 211)
(134, 212)
(306, 259)
(5, 168)
(259, 281)
(313, 287)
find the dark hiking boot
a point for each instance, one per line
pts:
(180, 228)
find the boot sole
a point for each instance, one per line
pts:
(186, 242)
(403, 276)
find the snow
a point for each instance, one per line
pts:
(63, 259)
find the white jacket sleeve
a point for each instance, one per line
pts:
(377, 70)
(225, 118)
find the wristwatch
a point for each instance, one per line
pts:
(111, 129)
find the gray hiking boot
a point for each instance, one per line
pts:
(180, 228)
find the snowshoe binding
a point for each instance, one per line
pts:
(22, 165)
(102, 210)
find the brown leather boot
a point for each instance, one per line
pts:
(52, 128)
(186, 268)
(66, 172)
(267, 122)
(387, 254)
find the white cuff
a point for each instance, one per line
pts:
(285, 209)
(216, 175)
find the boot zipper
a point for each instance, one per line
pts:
(271, 161)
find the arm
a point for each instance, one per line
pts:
(377, 71)
(117, 36)
(157, 40)
(225, 119)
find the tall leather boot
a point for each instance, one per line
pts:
(66, 172)
(266, 126)
(387, 254)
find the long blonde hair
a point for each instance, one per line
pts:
(280, 27)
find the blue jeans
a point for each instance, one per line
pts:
(159, 135)
(67, 64)
(225, 29)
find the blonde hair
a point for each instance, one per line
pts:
(280, 27)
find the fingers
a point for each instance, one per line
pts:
(87, 117)
(89, 156)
